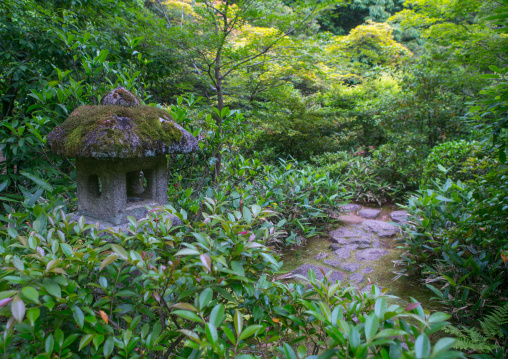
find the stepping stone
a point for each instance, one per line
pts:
(369, 213)
(399, 216)
(367, 269)
(333, 263)
(321, 256)
(377, 244)
(334, 247)
(342, 253)
(378, 226)
(363, 240)
(365, 245)
(341, 241)
(304, 271)
(351, 247)
(385, 234)
(356, 277)
(350, 207)
(343, 233)
(371, 254)
(350, 267)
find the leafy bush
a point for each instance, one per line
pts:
(203, 289)
(359, 176)
(456, 237)
(455, 157)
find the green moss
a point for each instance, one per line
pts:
(127, 96)
(106, 128)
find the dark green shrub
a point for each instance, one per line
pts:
(455, 159)
(202, 290)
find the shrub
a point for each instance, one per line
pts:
(202, 290)
(454, 158)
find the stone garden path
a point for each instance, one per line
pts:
(360, 250)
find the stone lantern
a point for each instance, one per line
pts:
(120, 148)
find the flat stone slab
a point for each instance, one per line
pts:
(369, 213)
(334, 247)
(378, 226)
(303, 270)
(351, 247)
(377, 244)
(343, 233)
(367, 269)
(399, 216)
(370, 254)
(350, 207)
(320, 256)
(362, 240)
(342, 253)
(333, 263)
(356, 277)
(350, 267)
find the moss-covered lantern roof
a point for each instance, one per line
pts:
(120, 127)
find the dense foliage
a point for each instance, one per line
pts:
(299, 107)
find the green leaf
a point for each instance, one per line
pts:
(78, 315)
(49, 344)
(422, 346)
(502, 156)
(251, 329)
(290, 353)
(187, 315)
(32, 314)
(371, 326)
(187, 252)
(205, 298)
(246, 215)
(442, 345)
(31, 294)
(52, 287)
(119, 251)
(38, 181)
(217, 315)
(85, 340)
(238, 320)
(211, 334)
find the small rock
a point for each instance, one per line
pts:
(343, 253)
(334, 247)
(351, 247)
(367, 269)
(303, 270)
(321, 256)
(369, 213)
(363, 240)
(350, 267)
(378, 226)
(356, 277)
(341, 241)
(385, 234)
(343, 233)
(377, 244)
(399, 216)
(350, 207)
(371, 254)
(332, 262)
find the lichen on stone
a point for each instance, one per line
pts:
(115, 131)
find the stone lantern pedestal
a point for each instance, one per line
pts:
(120, 149)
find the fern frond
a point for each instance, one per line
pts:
(470, 339)
(491, 325)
